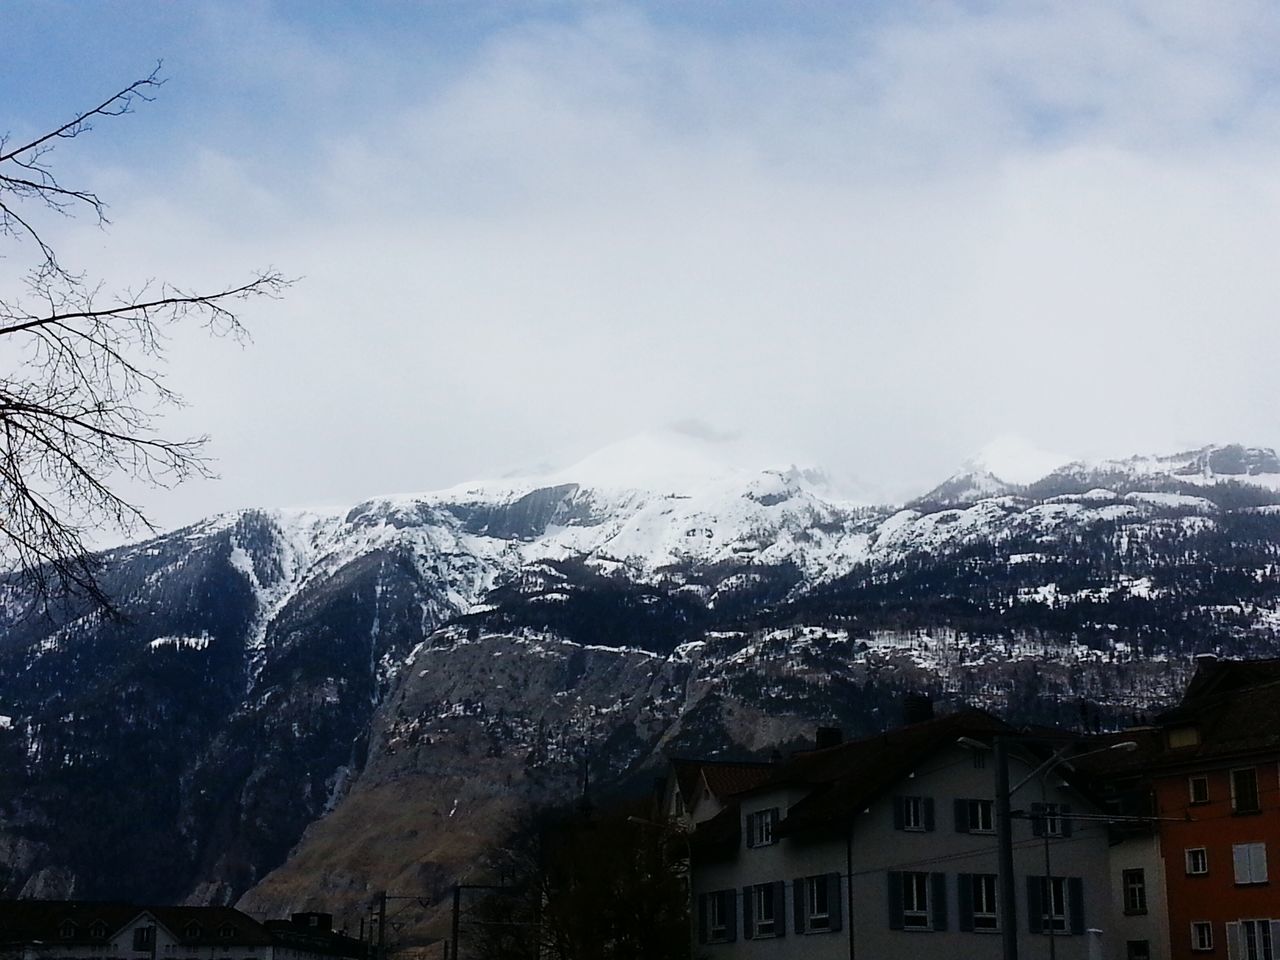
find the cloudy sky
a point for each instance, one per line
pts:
(871, 236)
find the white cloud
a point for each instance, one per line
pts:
(876, 246)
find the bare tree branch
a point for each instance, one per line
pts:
(81, 399)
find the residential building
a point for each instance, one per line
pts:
(90, 930)
(886, 847)
(1211, 767)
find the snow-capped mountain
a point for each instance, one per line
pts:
(296, 689)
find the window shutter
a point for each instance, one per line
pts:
(779, 908)
(751, 833)
(834, 902)
(800, 901)
(731, 921)
(1240, 861)
(938, 894)
(927, 803)
(1037, 820)
(1064, 818)
(1075, 904)
(1258, 863)
(702, 918)
(773, 824)
(1035, 904)
(895, 900)
(899, 815)
(962, 816)
(748, 931)
(1235, 949)
(964, 891)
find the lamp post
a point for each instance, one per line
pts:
(1004, 828)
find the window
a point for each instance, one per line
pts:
(98, 930)
(1137, 950)
(1197, 861)
(67, 930)
(763, 906)
(1250, 862)
(1244, 790)
(1134, 883)
(913, 813)
(978, 902)
(1198, 789)
(818, 903)
(717, 920)
(975, 816)
(193, 931)
(1250, 940)
(1180, 737)
(1055, 905)
(1053, 909)
(1050, 820)
(144, 938)
(760, 827)
(1201, 935)
(979, 759)
(915, 901)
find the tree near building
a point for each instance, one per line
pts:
(81, 390)
(578, 887)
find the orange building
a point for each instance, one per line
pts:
(1213, 768)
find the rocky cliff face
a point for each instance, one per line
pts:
(300, 710)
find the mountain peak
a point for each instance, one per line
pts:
(1014, 460)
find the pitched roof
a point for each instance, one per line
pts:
(27, 920)
(723, 777)
(849, 776)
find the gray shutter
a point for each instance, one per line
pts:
(773, 824)
(780, 908)
(1035, 904)
(835, 902)
(702, 918)
(731, 921)
(1075, 904)
(748, 932)
(1064, 812)
(895, 900)
(899, 817)
(938, 896)
(799, 896)
(751, 834)
(1037, 819)
(927, 803)
(1235, 949)
(964, 901)
(962, 816)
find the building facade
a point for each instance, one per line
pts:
(887, 847)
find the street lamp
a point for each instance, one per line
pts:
(1004, 828)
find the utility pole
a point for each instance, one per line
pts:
(1004, 839)
(382, 925)
(457, 910)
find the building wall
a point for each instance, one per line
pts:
(878, 847)
(1140, 852)
(1215, 897)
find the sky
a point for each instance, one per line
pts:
(872, 237)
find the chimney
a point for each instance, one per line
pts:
(828, 737)
(916, 707)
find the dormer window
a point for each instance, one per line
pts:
(67, 930)
(226, 931)
(192, 931)
(98, 930)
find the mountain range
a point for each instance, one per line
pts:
(297, 709)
